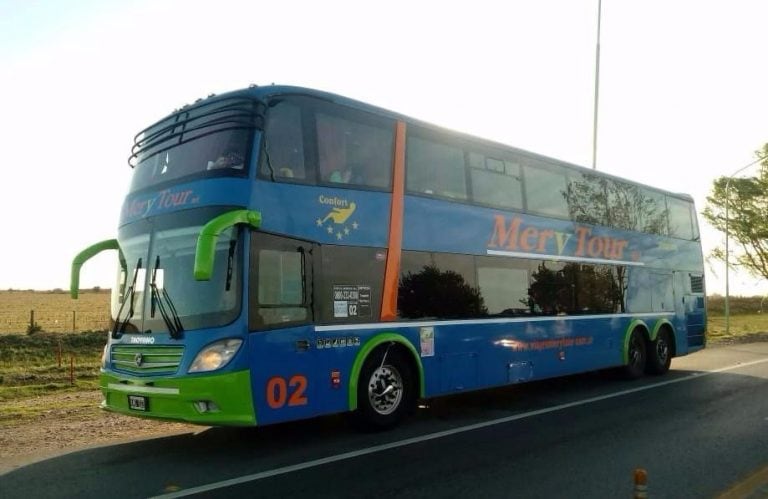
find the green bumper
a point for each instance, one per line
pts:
(174, 398)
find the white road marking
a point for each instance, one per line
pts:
(440, 434)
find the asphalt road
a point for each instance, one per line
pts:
(697, 431)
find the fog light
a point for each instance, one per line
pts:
(204, 406)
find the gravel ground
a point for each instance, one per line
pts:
(70, 421)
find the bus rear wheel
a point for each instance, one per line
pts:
(636, 355)
(659, 354)
(385, 390)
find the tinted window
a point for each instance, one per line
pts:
(504, 285)
(213, 135)
(314, 141)
(280, 278)
(559, 288)
(354, 150)
(435, 168)
(495, 182)
(281, 275)
(546, 189)
(680, 218)
(652, 212)
(223, 152)
(351, 284)
(438, 286)
(587, 198)
(284, 143)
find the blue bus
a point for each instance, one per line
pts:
(286, 253)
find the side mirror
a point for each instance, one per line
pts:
(205, 252)
(87, 254)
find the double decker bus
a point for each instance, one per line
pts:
(286, 253)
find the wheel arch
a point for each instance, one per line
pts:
(665, 324)
(636, 324)
(383, 340)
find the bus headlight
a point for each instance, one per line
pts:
(215, 356)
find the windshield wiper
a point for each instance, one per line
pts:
(230, 264)
(119, 328)
(170, 316)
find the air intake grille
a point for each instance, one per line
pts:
(697, 284)
(146, 359)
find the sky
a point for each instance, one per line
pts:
(682, 93)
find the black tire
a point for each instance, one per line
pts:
(386, 391)
(636, 356)
(659, 354)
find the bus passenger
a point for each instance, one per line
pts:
(352, 174)
(231, 159)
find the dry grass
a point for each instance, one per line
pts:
(54, 311)
(32, 365)
(741, 327)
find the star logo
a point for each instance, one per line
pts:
(338, 222)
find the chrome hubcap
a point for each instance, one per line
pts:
(385, 390)
(634, 353)
(662, 350)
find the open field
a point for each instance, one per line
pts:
(742, 328)
(54, 311)
(32, 365)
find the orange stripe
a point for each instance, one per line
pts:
(392, 273)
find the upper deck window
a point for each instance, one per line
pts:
(213, 137)
(284, 143)
(652, 212)
(315, 142)
(495, 182)
(681, 218)
(435, 168)
(587, 197)
(351, 152)
(546, 189)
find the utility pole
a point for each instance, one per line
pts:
(727, 246)
(597, 86)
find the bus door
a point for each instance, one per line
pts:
(281, 331)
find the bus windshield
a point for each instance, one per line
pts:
(224, 151)
(158, 289)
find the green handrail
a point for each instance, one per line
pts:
(87, 254)
(206, 241)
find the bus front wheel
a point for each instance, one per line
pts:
(385, 390)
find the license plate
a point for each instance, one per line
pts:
(138, 403)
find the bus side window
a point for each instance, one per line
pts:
(495, 182)
(283, 151)
(279, 283)
(545, 189)
(680, 218)
(435, 168)
(504, 283)
(438, 286)
(353, 148)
